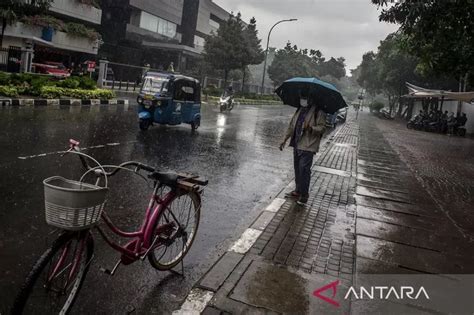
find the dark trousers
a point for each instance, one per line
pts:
(303, 160)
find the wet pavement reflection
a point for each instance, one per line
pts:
(237, 152)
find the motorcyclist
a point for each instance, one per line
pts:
(229, 91)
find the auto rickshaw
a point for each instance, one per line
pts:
(169, 99)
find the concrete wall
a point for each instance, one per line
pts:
(12, 41)
(206, 8)
(452, 106)
(60, 40)
(171, 10)
(77, 10)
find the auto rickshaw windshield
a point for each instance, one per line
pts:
(153, 85)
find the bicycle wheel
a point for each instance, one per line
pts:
(176, 229)
(52, 285)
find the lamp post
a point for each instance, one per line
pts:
(266, 50)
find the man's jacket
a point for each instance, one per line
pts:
(313, 129)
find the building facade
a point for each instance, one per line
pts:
(158, 32)
(33, 43)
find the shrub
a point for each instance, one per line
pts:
(44, 21)
(87, 83)
(4, 78)
(70, 83)
(9, 91)
(80, 30)
(36, 83)
(57, 92)
(212, 91)
(376, 106)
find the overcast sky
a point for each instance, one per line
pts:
(347, 28)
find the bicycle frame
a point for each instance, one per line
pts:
(142, 242)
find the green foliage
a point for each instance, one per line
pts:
(212, 91)
(439, 33)
(253, 54)
(80, 30)
(87, 83)
(4, 78)
(291, 62)
(333, 67)
(8, 90)
(45, 86)
(70, 83)
(44, 21)
(57, 92)
(376, 106)
(294, 62)
(235, 46)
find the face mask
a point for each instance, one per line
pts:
(304, 102)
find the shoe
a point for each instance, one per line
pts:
(302, 200)
(294, 194)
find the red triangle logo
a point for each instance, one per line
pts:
(333, 286)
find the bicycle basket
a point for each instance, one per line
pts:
(72, 205)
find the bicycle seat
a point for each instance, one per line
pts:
(166, 178)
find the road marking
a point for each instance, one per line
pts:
(112, 144)
(195, 303)
(275, 205)
(245, 241)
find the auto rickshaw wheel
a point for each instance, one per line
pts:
(144, 124)
(195, 124)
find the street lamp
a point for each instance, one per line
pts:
(266, 50)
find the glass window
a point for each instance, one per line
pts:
(199, 41)
(214, 24)
(157, 25)
(155, 85)
(148, 21)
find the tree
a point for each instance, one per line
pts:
(254, 54)
(368, 76)
(226, 49)
(333, 67)
(12, 10)
(291, 62)
(439, 33)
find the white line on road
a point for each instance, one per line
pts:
(275, 205)
(245, 241)
(195, 303)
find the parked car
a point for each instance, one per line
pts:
(56, 69)
(342, 114)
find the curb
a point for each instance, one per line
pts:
(204, 290)
(56, 102)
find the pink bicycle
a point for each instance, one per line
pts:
(166, 234)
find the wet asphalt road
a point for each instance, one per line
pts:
(236, 151)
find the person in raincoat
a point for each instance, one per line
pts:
(306, 129)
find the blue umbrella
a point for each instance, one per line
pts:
(318, 92)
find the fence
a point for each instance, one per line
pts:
(10, 59)
(124, 77)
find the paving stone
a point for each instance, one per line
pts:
(220, 271)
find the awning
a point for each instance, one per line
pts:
(419, 92)
(173, 47)
(35, 39)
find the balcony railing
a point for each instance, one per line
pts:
(76, 9)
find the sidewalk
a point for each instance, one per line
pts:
(367, 214)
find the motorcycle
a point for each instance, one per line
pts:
(226, 102)
(415, 123)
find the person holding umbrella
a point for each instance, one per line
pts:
(305, 130)
(314, 99)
